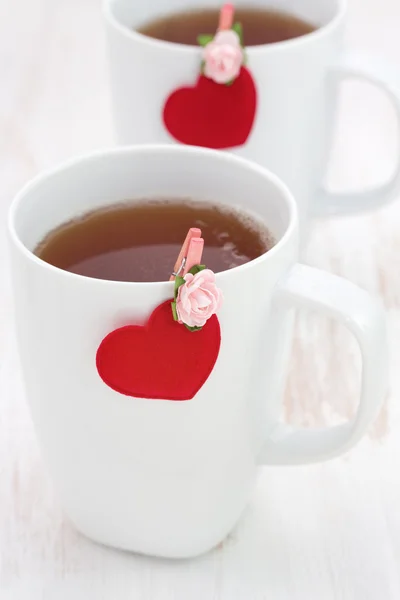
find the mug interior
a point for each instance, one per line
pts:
(107, 178)
(132, 15)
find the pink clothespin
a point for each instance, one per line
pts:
(226, 17)
(190, 254)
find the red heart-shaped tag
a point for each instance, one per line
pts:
(160, 361)
(212, 115)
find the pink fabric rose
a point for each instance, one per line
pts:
(198, 298)
(223, 57)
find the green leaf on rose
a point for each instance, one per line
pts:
(193, 328)
(196, 269)
(178, 282)
(174, 311)
(204, 39)
(237, 28)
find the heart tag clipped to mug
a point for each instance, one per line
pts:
(218, 111)
(173, 354)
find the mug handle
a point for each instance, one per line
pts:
(388, 80)
(306, 287)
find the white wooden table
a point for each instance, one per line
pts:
(326, 532)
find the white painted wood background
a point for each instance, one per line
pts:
(326, 532)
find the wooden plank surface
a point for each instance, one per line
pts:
(329, 532)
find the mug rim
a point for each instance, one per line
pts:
(250, 166)
(313, 36)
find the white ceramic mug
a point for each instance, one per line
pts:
(297, 82)
(160, 477)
